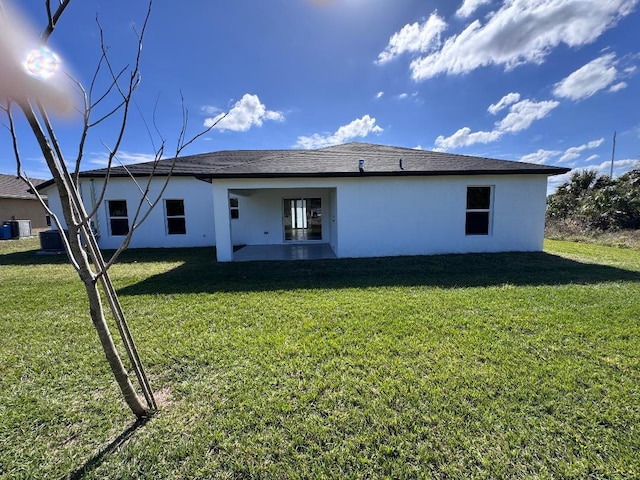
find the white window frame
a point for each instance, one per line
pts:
(234, 208)
(168, 217)
(488, 211)
(116, 217)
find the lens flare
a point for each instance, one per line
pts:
(41, 63)
(28, 69)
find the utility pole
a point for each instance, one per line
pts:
(613, 154)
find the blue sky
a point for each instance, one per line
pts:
(544, 81)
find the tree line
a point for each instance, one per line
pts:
(598, 202)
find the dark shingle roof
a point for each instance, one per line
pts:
(335, 161)
(13, 187)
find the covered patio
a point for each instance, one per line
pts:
(306, 251)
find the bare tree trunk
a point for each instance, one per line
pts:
(120, 373)
(81, 244)
(77, 223)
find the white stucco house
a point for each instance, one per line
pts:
(361, 200)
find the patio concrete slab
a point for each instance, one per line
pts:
(307, 251)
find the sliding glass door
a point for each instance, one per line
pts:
(302, 219)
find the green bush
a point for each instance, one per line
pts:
(598, 202)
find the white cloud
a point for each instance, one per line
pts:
(416, 37)
(521, 31)
(468, 7)
(379, 94)
(540, 157)
(572, 153)
(619, 167)
(359, 128)
(210, 110)
(520, 117)
(618, 86)
(523, 114)
(272, 115)
(595, 143)
(508, 99)
(246, 113)
(588, 79)
(405, 95)
(465, 137)
(630, 70)
(556, 180)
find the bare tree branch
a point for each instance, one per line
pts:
(53, 18)
(27, 180)
(146, 124)
(66, 190)
(136, 222)
(74, 208)
(83, 256)
(82, 244)
(126, 96)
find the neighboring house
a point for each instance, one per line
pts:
(363, 200)
(17, 203)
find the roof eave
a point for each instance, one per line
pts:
(542, 171)
(441, 173)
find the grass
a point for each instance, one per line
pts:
(460, 366)
(574, 232)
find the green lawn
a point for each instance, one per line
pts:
(459, 366)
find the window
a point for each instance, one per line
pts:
(176, 221)
(233, 208)
(118, 218)
(478, 210)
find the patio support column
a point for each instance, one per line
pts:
(224, 245)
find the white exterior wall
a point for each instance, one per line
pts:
(415, 216)
(198, 204)
(362, 216)
(53, 200)
(374, 216)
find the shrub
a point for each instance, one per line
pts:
(597, 202)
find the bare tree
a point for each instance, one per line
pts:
(112, 103)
